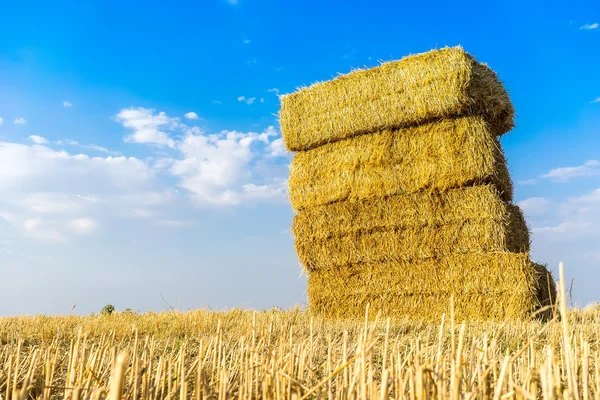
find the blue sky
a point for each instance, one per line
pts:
(140, 153)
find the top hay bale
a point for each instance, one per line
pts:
(419, 88)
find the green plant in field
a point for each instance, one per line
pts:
(107, 309)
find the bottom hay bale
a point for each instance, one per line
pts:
(546, 293)
(494, 286)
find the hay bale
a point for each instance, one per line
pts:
(493, 286)
(546, 290)
(424, 87)
(436, 157)
(414, 243)
(421, 209)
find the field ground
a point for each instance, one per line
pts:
(288, 354)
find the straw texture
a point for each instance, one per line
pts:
(433, 157)
(493, 286)
(425, 87)
(420, 209)
(403, 194)
(546, 289)
(417, 243)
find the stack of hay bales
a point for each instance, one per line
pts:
(402, 194)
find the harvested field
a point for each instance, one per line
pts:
(433, 157)
(293, 354)
(425, 87)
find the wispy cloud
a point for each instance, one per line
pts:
(562, 228)
(596, 101)
(577, 216)
(191, 115)
(55, 194)
(589, 27)
(246, 100)
(82, 226)
(175, 223)
(217, 102)
(535, 206)
(67, 104)
(38, 139)
(1, 120)
(246, 41)
(20, 121)
(101, 149)
(234, 2)
(251, 62)
(35, 228)
(527, 182)
(147, 127)
(277, 148)
(273, 90)
(565, 174)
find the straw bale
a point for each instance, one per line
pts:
(434, 157)
(546, 289)
(421, 209)
(493, 286)
(425, 87)
(414, 243)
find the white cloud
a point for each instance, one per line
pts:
(54, 203)
(82, 226)
(217, 169)
(147, 128)
(20, 121)
(527, 182)
(589, 27)
(217, 102)
(35, 228)
(277, 148)
(45, 191)
(562, 228)
(44, 169)
(564, 174)
(262, 100)
(570, 232)
(247, 41)
(1, 120)
(595, 101)
(141, 213)
(535, 206)
(263, 192)
(246, 100)
(577, 216)
(67, 104)
(191, 115)
(38, 139)
(273, 90)
(175, 223)
(95, 147)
